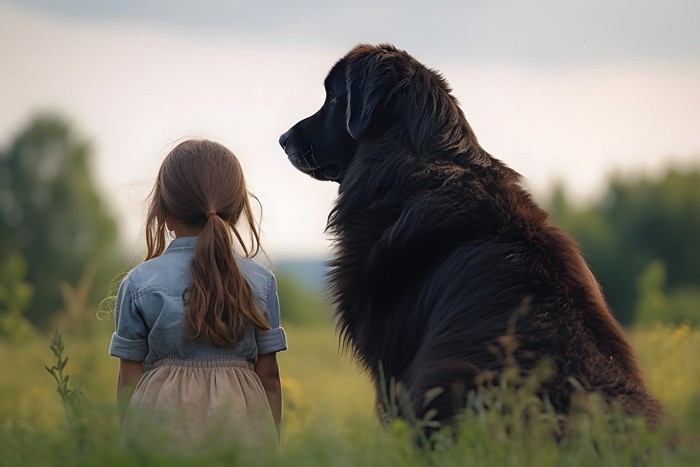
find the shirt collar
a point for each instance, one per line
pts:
(182, 244)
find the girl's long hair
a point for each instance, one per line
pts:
(201, 185)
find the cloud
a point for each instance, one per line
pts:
(543, 33)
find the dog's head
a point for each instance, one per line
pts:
(358, 90)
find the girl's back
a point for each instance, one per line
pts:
(197, 325)
(154, 290)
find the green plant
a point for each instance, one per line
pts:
(78, 422)
(69, 396)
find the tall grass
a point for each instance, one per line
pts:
(329, 413)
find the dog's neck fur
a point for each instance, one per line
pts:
(375, 197)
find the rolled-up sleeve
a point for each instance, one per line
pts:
(274, 339)
(130, 338)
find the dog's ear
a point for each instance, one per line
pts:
(366, 80)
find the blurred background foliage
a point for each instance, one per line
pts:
(56, 232)
(299, 303)
(60, 249)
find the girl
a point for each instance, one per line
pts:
(198, 327)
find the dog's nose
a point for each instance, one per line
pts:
(284, 139)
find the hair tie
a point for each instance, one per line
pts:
(211, 213)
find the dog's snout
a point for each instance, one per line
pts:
(284, 139)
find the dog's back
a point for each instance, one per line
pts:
(444, 280)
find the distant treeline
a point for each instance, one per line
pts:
(59, 247)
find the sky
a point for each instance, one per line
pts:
(567, 92)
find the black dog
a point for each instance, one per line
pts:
(439, 246)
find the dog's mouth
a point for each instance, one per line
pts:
(330, 172)
(306, 163)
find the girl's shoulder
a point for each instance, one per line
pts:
(168, 273)
(261, 279)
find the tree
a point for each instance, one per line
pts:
(52, 214)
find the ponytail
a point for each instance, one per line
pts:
(220, 299)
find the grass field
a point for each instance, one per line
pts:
(329, 413)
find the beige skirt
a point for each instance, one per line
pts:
(201, 402)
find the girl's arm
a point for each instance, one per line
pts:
(267, 370)
(129, 374)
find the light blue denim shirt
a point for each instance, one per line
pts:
(150, 311)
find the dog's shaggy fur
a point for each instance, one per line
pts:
(439, 245)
